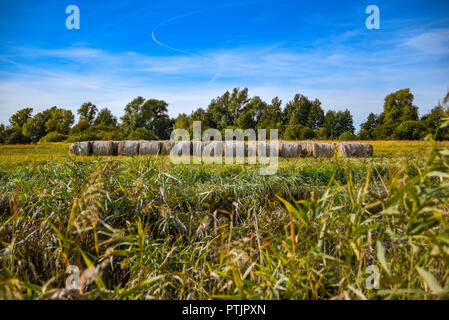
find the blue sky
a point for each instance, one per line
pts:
(188, 52)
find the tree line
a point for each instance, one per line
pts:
(300, 119)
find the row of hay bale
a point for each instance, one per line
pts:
(283, 149)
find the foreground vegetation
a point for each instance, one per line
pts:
(142, 228)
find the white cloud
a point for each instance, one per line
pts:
(340, 77)
(435, 42)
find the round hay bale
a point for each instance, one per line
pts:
(166, 147)
(148, 148)
(290, 149)
(197, 148)
(128, 148)
(324, 150)
(368, 148)
(307, 148)
(251, 149)
(81, 148)
(354, 149)
(235, 149)
(316, 149)
(268, 149)
(181, 148)
(213, 148)
(104, 148)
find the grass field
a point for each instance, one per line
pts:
(143, 228)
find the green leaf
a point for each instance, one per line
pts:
(431, 281)
(381, 257)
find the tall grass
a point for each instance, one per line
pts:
(142, 228)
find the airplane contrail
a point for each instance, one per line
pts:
(153, 36)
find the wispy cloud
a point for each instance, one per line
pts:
(341, 76)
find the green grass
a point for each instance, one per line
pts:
(148, 229)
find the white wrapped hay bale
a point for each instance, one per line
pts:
(213, 148)
(130, 148)
(251, 148)
(104, 148)
(197, 148)
(306, 148)
(354, 149)
(81, 148)
(235, 149)
(166, 147)
(181, 148)
(324, 150)
(316, 149)
(150, 148)
(268, 149)
(290, 149)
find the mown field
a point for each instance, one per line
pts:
(143, 228)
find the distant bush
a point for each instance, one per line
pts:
(410, 130)
(84, 136)
(54, 137)
(142, 134)
(111, 135)
(347, 136)
(82, 126)
(16, 137)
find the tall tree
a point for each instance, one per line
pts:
(150, 114)
(87, 112)
(271, 117)
(344, 122)
(19, 118)
(398, 108)
(367, 128)
(105, 118)
(60, 121)
(224, 111)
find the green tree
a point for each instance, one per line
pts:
(316, 116)
(19, 118)
(87, 112)
(293, 129)
(224, 111)
(35, 128)
(271, 117)
(307, 112)
(410, 130)
(105, 118)
(247, 120)
(398, 108)
(150, 114)
(3, 134)
(433, 120)
(60, 121)
(182, 121)
(330, 123)
(367, 128)
(344, 122)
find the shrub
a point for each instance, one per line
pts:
(84, 136)
(347, 136)
(16, 137)
(82, 126)
(142, 134)
(410, 130)
(307, 133)
(54, 137)
(111, 135)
